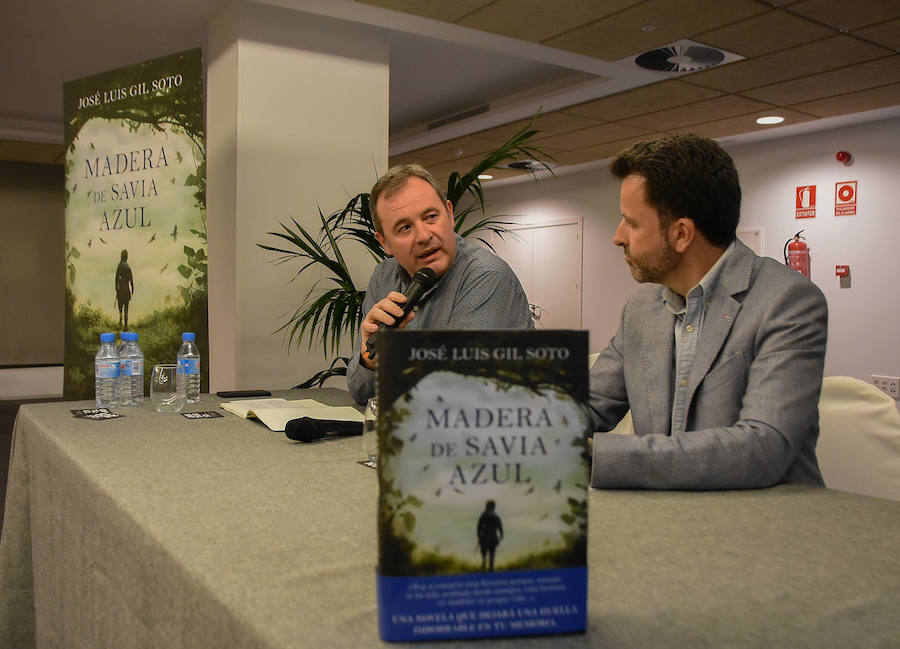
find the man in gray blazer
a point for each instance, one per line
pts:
(720, 356)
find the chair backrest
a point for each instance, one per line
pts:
(859, 439)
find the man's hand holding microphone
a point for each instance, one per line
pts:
(394, 311)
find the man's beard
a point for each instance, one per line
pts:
(656, 267)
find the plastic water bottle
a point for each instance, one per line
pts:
(189, 368)
(106, 372)
(131, 371)
(123, 397)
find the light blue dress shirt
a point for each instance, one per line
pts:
(689, 312)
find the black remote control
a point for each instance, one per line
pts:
(231, 394)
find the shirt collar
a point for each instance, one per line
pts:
(676, 304)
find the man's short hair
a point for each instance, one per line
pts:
(393, 180)
(687, 176)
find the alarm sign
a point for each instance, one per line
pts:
(845, 198)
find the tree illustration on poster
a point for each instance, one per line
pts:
(136, 239)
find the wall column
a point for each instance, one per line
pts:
(297, 118)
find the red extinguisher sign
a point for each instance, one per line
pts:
(806, 202)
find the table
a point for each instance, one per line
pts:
(157, 531)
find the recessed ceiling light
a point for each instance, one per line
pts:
(485, 177)
(770, 119)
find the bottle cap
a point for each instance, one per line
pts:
(188, 336)
(107, 338)
(129, 335)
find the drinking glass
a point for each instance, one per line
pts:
(164, 389)
(370, 431)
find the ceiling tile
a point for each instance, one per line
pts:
(863, 100)
(442, 171)
(886, 33)
(769, 32)
(446, 10)
(567, 158)
(744, 124)
(793, 63)
(594, 135)
(538, 20)
(827, 84)
(413, 157)
(610, 149)
(621, 34)
(647, 99)
(698, 113)
(548, 124)
(848, 15)
(454, 149)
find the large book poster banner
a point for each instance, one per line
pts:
(135, 213)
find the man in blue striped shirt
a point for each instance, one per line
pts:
(475, 288)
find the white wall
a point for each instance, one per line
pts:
(606, 279)
(864, 328)
(298, 118)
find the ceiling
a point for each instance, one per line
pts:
(806, 60)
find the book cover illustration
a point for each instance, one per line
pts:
(135, 194)
(483, 474)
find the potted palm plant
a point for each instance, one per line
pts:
(331, 310)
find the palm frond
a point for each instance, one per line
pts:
(459, 186)
(318, 379)
(330, 312)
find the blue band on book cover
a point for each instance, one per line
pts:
(483, 471)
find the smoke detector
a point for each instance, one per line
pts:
(681, 57)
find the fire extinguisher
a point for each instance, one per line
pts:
(796, 254)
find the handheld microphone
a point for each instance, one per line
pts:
(423, 280)
(307, 429)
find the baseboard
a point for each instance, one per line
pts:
(31, 382)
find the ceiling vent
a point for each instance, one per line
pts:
(681, 57)
(528, 165)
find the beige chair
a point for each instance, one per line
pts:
(859, 442)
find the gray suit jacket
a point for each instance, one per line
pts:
(753, 418)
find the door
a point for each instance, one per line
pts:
(547, 259)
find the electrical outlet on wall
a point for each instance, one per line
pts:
(890, 385)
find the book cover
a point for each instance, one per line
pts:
(135, 195)
(483, 472)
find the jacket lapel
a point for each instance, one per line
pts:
(657, 362)
(721, 310)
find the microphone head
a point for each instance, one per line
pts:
(425, 276)
(303, 429)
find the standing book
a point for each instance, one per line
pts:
(483, 470)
